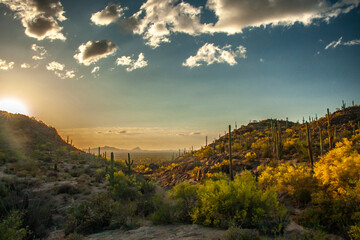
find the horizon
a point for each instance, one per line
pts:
(127, 74)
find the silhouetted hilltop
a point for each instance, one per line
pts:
(22, 137)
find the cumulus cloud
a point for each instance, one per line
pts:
(110, 14)
(235, 15)
(53, 66)
(132, 63)
(158, 19)
(339, 42)
(4, 65)
(92, 51)
(163, 17)
(25, 65)
(209, 54)
(60, 71)
(39, 17)
(40, 50)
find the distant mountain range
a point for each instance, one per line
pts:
(109, 149)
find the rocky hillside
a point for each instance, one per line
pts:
(263, 142)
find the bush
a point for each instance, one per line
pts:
(250, 157)
(163, 213)
(241, 202)
(339, 170)
(296, 180)
(11, 226)
(98, 213)
(336, 206)
(184, 195)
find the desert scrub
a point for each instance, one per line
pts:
(250, 157)
(242, 202)
(11, 227)
(339, 169)
(184, 197)
(94, 215)
(296, 180)
(336, 205)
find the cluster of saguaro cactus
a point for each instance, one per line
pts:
(111, 169)
(308, 138)
(129, 163)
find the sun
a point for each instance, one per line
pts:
(13, 106)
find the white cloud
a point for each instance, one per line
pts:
(334, 44)
(261, 60)
(40, 18)
(25, 65)
(53, 66)
(110, 14)
(235, 15)
(133, 64)
(60, 71)
(352, 42)
(339, 42)
(92, 51)
(158, 19)
(95, 69)
(4, 65)
(163, 17)
(209, 54)
(40, 50)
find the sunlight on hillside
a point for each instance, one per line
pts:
(13, 106)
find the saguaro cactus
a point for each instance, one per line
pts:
(99, 152)
(309, 145)
(321, 142)
(111, 169)
(330, 132)
(129, 163)
(230, 157)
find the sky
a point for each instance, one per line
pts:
(163, 74)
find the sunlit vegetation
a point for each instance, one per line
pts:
(47, 183)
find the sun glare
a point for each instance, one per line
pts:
(13, 106)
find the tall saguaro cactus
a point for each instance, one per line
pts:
(129, 163)
(321, 141)
(112, 169)
(230, 157)
(309, 145)
(99, 152)
(330, 131)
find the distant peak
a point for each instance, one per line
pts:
(137, 149)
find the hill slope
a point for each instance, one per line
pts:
(256, 143)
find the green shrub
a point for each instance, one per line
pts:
(354, 232)
(90, 216)
(236, 233)
(184, 195)
(163, 213)
(11, 227)
(241, 202)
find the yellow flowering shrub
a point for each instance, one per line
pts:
(339, 169)
(295, 180)
(250, 156)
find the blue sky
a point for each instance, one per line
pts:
(169, 76)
